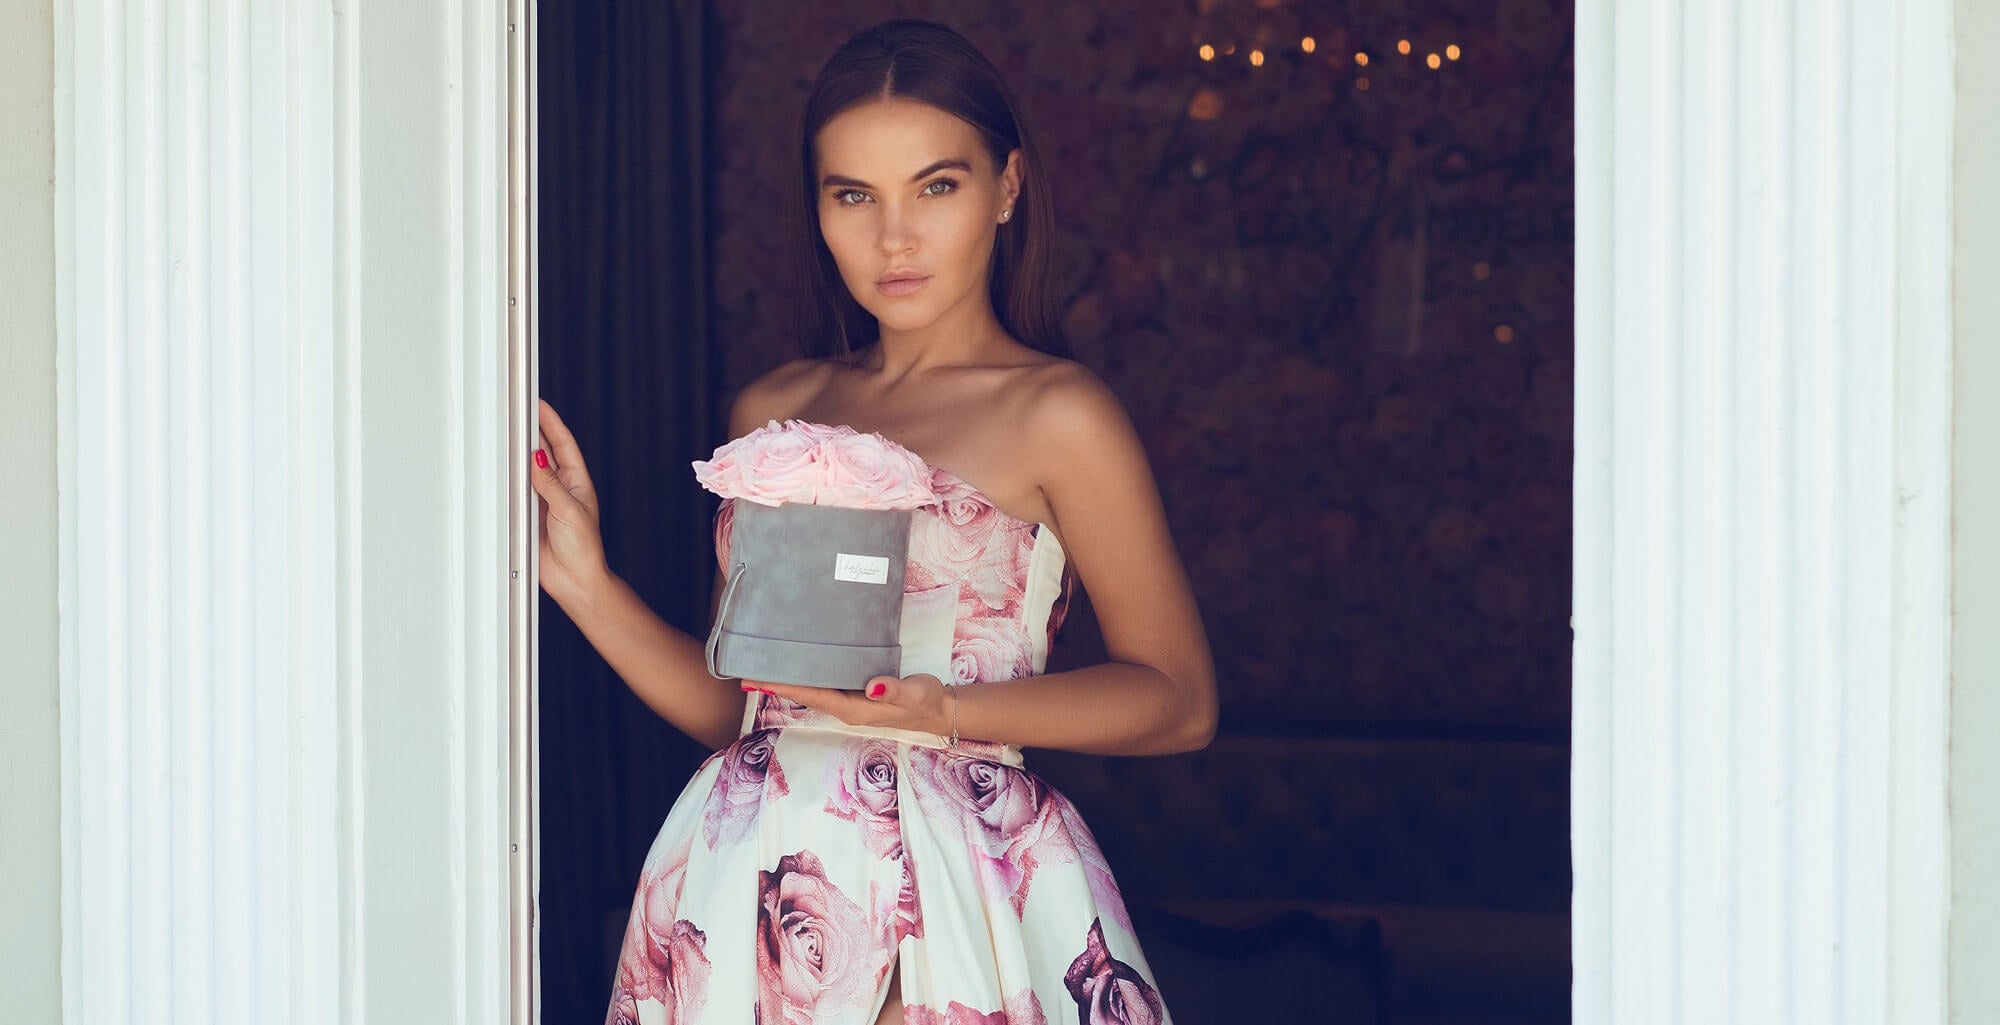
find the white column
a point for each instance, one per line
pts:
(1762, 511)
(280, 390)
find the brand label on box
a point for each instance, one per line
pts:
(861, 569)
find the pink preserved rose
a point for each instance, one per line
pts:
(809, 463)
(868, 471)
(770, 465)
(1109, 991)
(815, 961)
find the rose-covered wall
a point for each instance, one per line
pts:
(1333, 289)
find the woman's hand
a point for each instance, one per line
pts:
(572, 549)
(916, 702)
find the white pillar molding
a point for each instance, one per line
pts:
(281, 372)
(1762, 511)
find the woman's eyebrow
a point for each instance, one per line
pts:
(947, 163)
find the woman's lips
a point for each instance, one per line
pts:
(901, 286)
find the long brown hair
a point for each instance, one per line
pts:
(928, 62)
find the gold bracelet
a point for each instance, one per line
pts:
(951, 692)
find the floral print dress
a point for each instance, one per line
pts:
(809, 858)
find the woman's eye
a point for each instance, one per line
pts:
(947, 182)
(841, 197)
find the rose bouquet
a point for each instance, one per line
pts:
(818, 543)
(817, 464)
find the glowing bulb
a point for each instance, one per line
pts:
(1403, 46)
(1434, 62)
(1482, 270)
(1361, 83)
(1207, 52)
(1256, 58)
(1453, 51)
(1361, 59)
(1503, 334)
(1307, 44)
(1229, 49)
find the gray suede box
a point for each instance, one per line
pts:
(814, 595)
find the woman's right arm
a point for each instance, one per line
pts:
(666, 668)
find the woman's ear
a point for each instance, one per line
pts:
(1010, 176)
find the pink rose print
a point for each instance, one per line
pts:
(1109, 991)
(1023, 1008)
(998, 583)
(909, 914)
(1097, 871)
(1009, 820)
(948, 546)
(750, 775)
(774, 712)
(814, 955)
(990, 649)
(897, 909)
(861, 787)
(624, 1010)
(664, 959)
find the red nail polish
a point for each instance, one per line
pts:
(877, 690)
(747, 688)
(541, 459)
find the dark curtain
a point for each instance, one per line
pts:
(628, 361)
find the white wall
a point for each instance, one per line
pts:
(30, 764)
(1763, 546)
(280, 382)
(1975, 742)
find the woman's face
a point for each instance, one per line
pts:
(909, 203)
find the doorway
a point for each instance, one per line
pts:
(1324, 255)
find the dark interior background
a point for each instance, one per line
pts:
(1336, 298)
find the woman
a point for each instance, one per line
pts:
(879, 854)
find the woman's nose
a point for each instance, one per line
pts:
(897, 234)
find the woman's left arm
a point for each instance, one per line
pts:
(1156, 695)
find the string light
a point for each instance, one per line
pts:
(1452, 51)
(1434, 62)
(1308, 45)
(1361, 83)
(1403, 47)
(1207, 52)
(1482, 270)
(1229, 50)
(1256, 58)
(1361, 59)
(1503, 334)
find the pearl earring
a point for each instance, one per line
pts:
(1004, 214)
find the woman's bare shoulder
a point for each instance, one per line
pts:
(777, 394)
(1068, 401)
